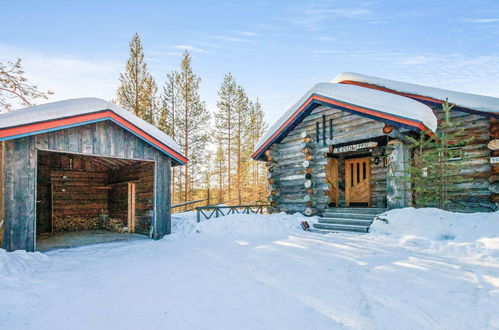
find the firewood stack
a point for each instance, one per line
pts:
(273, 184)
(70, 223)
(308, 150)
(114, 224)
(493, 145)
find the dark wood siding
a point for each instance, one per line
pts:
(101, 139)
(1, 193)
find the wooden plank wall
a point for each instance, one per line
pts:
(1, 193)
(19, 194)
(101, 139)
(78, 193)
(144, 205)
(118, 201)
(290, 173)
(52, 166)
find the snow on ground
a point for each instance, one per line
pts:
(423, 269)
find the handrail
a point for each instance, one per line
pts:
(234, 209)
(188, 203)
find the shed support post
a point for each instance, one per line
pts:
(19, 195)
(398, 186)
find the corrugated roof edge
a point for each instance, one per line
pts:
(67, 113)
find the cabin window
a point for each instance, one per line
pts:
(323, 129)
(317, 134)
(330, 128)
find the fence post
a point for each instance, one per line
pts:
(197, 215)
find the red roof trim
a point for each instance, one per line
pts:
(81, 119)
(355, 108)
(392, 91)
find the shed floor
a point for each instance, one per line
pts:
(47, 242)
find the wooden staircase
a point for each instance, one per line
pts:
(356, 219)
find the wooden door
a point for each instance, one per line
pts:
(358, 181)
(332, 179)
(131, 207)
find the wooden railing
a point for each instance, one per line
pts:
(218, 210)
(189, 203)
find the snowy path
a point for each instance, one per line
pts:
(253, 272)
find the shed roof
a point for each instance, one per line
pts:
(75, 112)
(486, 104)
(390, 108)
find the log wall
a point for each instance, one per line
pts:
(289, 173)
(476, 192)
(297, 178)
(100, 139)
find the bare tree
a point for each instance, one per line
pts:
(14, 87)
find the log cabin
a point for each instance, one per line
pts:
(339, 150)
(82, 164)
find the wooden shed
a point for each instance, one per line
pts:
(82, 165)
(342, 144)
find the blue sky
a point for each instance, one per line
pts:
(275, 49)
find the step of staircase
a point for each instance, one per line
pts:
(365, 216)
(356, 219)
(339, 227)
(343, 221)
(357, 210)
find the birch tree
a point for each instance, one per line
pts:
(138, 90)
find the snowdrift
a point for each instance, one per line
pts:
(431, 228)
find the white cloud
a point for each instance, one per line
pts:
(482, 20)
(67, 76)
(191, 48)
(247, 33)
(231, 39)
(311, 15)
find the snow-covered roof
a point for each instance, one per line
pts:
(465, 100)
(391, 108)
(74, 112)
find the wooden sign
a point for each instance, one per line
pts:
(494, 160)
(355, 147)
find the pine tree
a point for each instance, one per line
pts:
(241, 118)
(438, 164)
(192, 124)
(220, 170)
(257, 128)
(137, 90)
(224, 122)
(168, 116)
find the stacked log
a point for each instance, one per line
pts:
(493, 145)
(272, 178)
(308, 150)
(74, 223)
